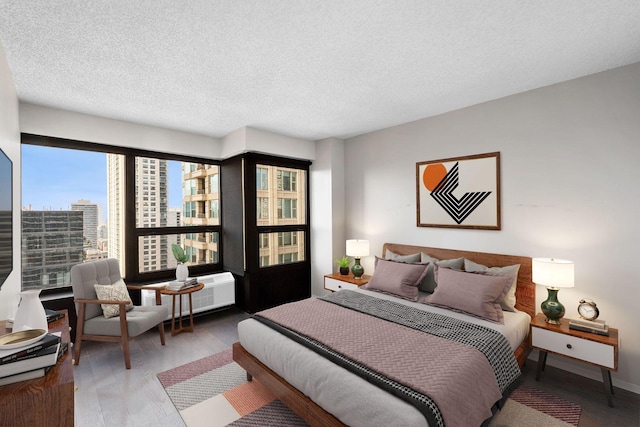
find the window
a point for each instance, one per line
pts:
(263, 208)
(214, 209)
(190, 187)
(262, 182)
(287, 208)
(190, 209)
(286, 180)
(213, 183)
(264, 240)
(287, 258)
(288, 238)
(76, 210)
(290, 247)
(281, 237)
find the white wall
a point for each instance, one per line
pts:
(10, 144)
(248, 139)
(41, 120)
(327, 210)
(570, 158)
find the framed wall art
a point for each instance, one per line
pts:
(461, 192)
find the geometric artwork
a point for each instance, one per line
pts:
(461, 192)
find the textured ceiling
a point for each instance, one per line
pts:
(310, 69)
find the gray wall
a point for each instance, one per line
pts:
(570, 157)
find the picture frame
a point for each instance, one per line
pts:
(459, 192)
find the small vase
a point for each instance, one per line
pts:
(182, 272)
(344, 271)
(30, 314)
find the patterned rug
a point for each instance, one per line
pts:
(214, 392)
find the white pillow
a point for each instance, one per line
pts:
(116, 292)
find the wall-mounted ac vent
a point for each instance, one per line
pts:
(219, 291)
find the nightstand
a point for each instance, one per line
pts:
(335, 282)
(597, 350)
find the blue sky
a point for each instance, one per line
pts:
(53, 178)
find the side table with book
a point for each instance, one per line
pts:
(44, 400)
(179, 292)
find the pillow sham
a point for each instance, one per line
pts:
(413, 258)
(397, 278)
(115, 292)
(477, 294)
(509, 301)
(429, 282)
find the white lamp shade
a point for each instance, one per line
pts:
(357, 248)
(551, 272)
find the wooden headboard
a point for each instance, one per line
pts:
(525, 290)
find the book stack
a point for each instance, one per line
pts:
(593, 326)
(53, 315)
(31, 361)
(178, 285)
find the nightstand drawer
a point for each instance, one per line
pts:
(578, 348)
(337, 285)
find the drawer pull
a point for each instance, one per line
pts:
(569, 346)
(340, 286)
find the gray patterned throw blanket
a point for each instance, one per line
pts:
(452, 371)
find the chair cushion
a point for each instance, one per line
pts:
(139, 320)
(117, 292)
(85, 275)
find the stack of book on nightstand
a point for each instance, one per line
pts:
(594, 326)
(31, 361)
(178, 285)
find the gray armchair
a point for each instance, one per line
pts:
(93, 326)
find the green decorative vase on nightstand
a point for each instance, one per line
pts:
(552, 308)
(357, 269)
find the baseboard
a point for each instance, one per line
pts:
(584, 370)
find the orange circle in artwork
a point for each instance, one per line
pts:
(433, 174)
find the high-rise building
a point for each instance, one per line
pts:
(90, 221)
(151, 210)
(173, 220)
(52, 243)
(201, 206)
(115, 207)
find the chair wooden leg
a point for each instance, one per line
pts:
(161, 330)
(79, 332)
(124, 333)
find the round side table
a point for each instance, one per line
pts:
(188, 291)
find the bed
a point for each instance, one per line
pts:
(322, 392)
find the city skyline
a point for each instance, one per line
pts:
(53, 180)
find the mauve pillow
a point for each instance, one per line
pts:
(397, 278)
(477, 294)
(509, 301)
(429, 282)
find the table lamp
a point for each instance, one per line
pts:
(554, 274)
(357, 249)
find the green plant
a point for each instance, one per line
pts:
(343, 262)
(178, 253)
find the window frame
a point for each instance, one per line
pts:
(253, 230)
(133, 233)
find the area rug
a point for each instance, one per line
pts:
(214, 392)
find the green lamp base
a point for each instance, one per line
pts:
(552, 308)
(357, 269)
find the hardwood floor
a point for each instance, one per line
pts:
(110, 395)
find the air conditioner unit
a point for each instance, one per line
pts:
(219, 291)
